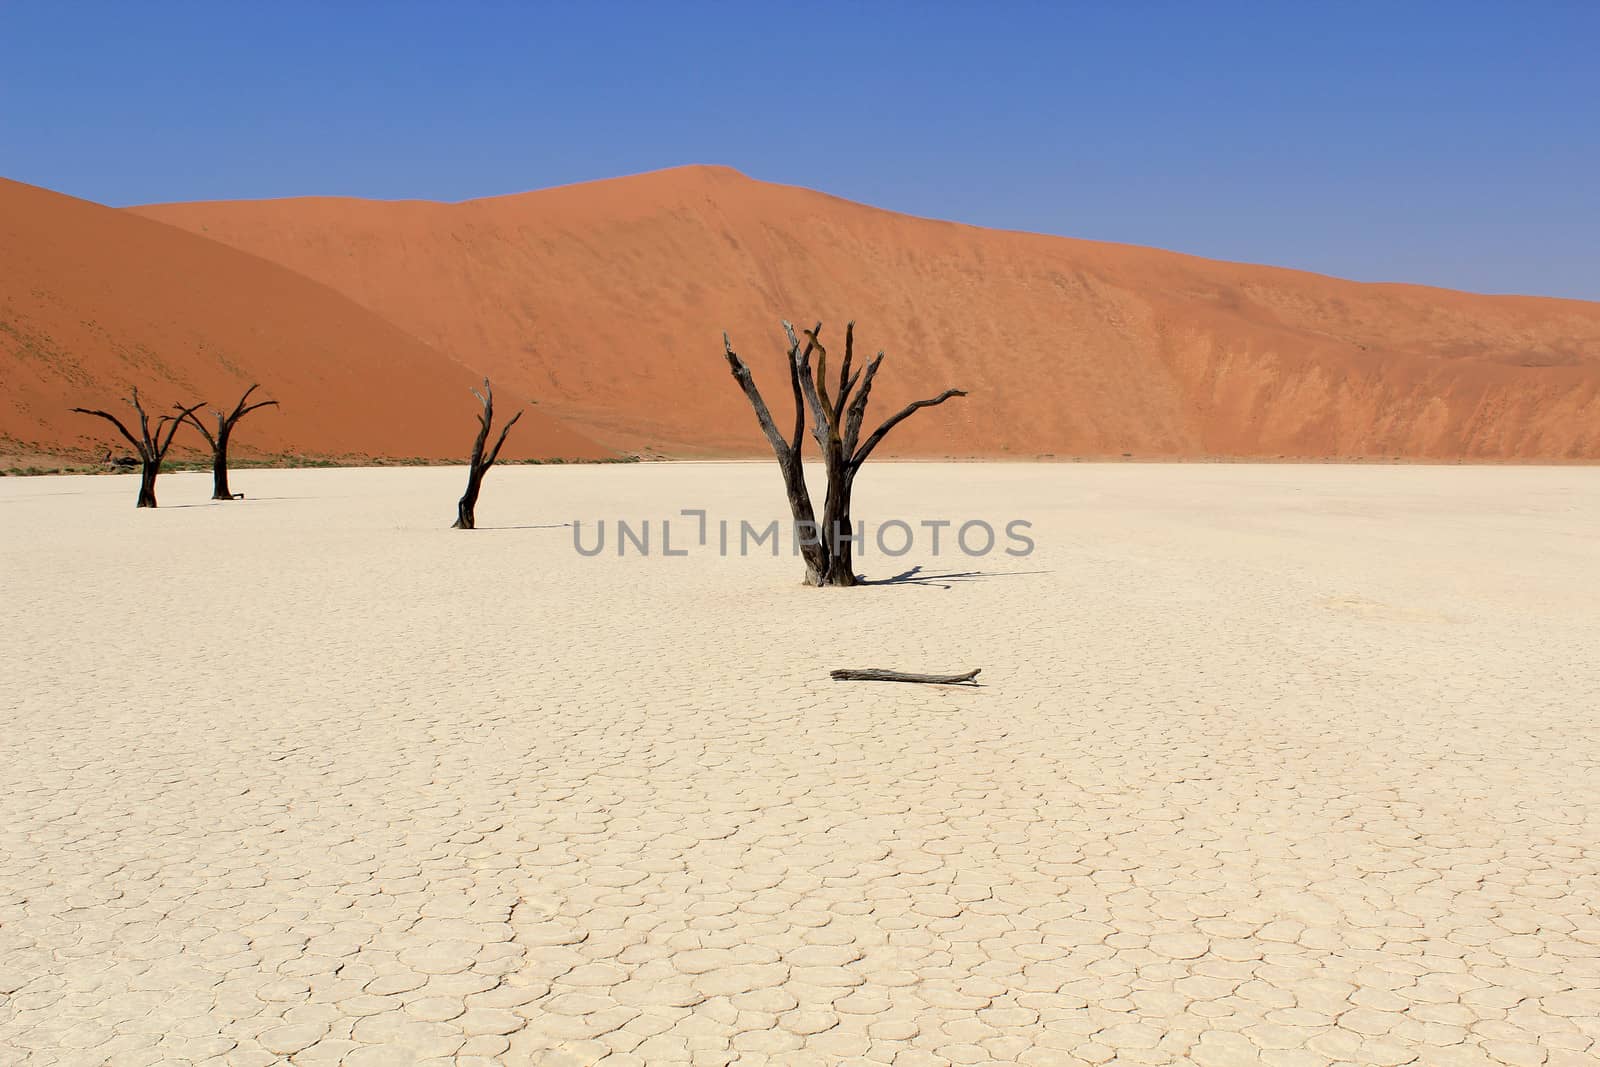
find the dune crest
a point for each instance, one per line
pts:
(607, 301)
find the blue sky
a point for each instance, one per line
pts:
(1450, 144)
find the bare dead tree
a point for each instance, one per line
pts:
(151, 446)
(480, 463)
(788, 451)
(219, 440)
(836, 423)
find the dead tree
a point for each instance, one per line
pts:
(836, 423)
(787, 451)
(480, 463)
(219, 440)
(151, 446)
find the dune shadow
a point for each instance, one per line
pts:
(917, 576)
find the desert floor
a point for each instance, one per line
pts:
(1289, 765)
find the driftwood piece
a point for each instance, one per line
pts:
(878, 674)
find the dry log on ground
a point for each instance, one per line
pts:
(878, 674)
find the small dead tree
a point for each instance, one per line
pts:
(836, 423)
(219, 440)
(480, 463)
(151, 446)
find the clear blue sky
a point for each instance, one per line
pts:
(1453, 144)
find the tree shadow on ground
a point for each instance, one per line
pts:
(544, 526)
(917, 576)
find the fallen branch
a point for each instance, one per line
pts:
(878, 674)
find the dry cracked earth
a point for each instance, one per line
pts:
(1293, 766)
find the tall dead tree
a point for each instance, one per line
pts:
(219, 440)
(787, 451)
(151, 446)
(836, 422)
(480, 463)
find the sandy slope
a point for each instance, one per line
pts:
(607, 301)
(95, 301)
(1288, 766)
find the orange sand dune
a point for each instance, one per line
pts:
(94, 301)
(607, 302)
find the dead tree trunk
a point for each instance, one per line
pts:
(836, 423)
(219, 441)
(480, 463)
(788, 452)
(151, 446)
(147, 484)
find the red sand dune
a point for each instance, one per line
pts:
(607, 302)
(94, 301)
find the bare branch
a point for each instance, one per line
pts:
(741, 374)
(485, 421)
(255, 407)
(501, 441)
(821, 428)
(821, 382)
(851, 384)
(186, 415)
(895, 420)
(858, 406)
(194, 420)
(238, 409)
(144, 422)
(845, 381)
(137, 445)
(794, 383)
